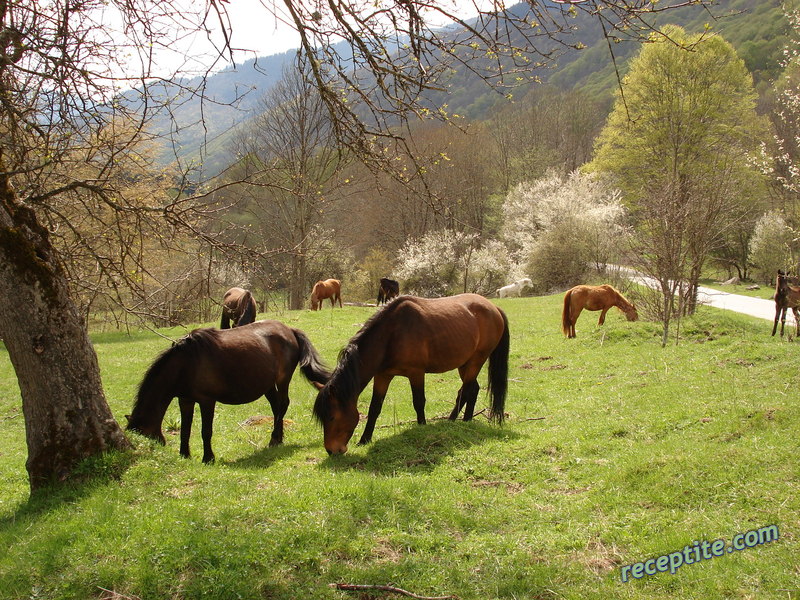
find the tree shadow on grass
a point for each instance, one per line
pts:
(420, 448)
(92, 473)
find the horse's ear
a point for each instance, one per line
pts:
(318, 385)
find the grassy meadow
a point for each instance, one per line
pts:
(614, 451)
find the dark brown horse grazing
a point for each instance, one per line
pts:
(786, 297)
(330, 288)
(388, 290)
(410, 337)
(239, 306)
(592, 297)
(233, 366)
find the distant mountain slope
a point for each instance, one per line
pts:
(198, 125)
(202, 129)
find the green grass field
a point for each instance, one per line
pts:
(614, 451)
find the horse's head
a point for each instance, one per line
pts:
(631, 313)
(151, 430)
(314, 302)
(338, 419)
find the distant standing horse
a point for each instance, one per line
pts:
(233, 366)
(514, 289)
(786, 297)
(330, 288)
(590, 297)
(388, 290)
(409, 338)
(239, 306)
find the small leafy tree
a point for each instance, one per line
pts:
(678, 141)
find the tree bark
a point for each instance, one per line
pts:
(66, 414)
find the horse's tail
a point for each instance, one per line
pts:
(566, 317)
(249, 313)
(311, 364)
(498, 374)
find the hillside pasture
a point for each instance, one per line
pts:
(614, 451)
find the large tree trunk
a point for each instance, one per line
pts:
(66, 414)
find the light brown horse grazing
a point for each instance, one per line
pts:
(786, 297)
(592, 297)
(330, 288)
(410, 337)
(239, 306)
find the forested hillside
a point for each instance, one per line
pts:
(202, 129)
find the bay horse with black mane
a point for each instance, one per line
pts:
(786, 297)
(230, 366)
(593, 297)
(388, 290)
(409, 338)
(330, 288)
(239, 306)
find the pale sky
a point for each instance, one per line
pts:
(256, 31)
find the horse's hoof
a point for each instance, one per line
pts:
(273, 443)
(209, 461)
(364, 441)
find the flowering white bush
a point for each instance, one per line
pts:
(448, 262)
(770, 248)
(580, 214)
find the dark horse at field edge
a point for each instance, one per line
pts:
(388, 290)
(593, 297)
(239, 307)
(786, 297)
(409, 338)
(233, 366)
(330, 288)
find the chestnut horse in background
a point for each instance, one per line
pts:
(232, 366)
(330, 288)
(786, 297)
(239, 306)
(409, 338)
(592, 297)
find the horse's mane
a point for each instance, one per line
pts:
(346, 376)
(192, 343)
(625, 301)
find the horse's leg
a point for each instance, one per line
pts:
(278, 397)
(468, 394)
(574, 313)
(783, 318)
(777, 316)
(459, 403)
(379, 387)
(602, 316)
(207, 428)
(418, 396)
(187, 414)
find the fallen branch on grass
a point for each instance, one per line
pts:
(353, 587)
